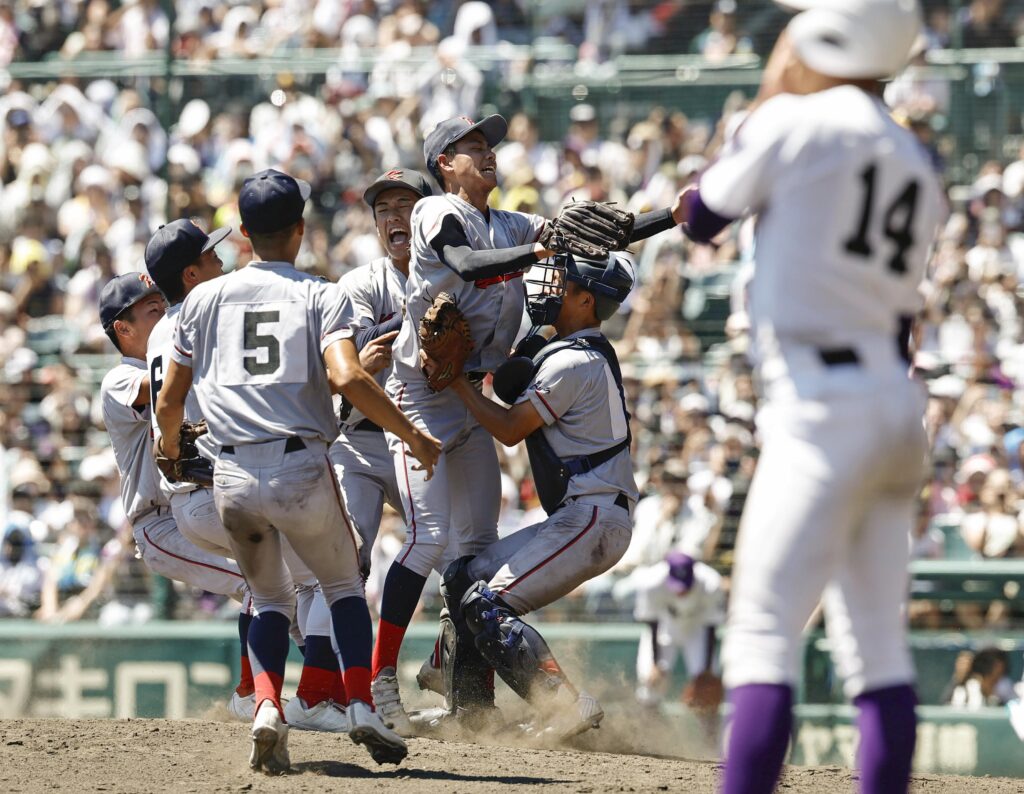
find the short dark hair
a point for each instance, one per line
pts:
(270, 239)
(172, 286)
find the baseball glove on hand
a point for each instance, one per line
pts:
(704, 692)
(189, 466)
(588, 229)
(445, 342)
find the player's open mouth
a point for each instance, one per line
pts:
(398, 237)
(488, 170)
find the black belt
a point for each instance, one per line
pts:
(369, 427)
(838, 356)
(620, 501)
(293, 444)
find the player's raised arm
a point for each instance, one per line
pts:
(170, 407)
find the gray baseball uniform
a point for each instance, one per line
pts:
(576, 395)
(160, 543)
(494, 310)
(254, 341)
(360, 454)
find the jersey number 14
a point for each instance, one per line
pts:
(898, 222)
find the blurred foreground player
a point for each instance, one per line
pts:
(848, 204)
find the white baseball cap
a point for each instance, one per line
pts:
(854, 39)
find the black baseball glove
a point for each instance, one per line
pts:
(189, 466)
(588, 229)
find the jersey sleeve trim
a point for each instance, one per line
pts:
(547, 413)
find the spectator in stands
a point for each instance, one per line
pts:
(987, 683)
(721, 38)
(981, 24)
(20, 574)
(994, 530)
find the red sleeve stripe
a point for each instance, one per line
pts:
(182, 351)
(546, 405)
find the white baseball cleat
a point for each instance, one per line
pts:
(430, 678)
(269, 741)
(367, 728)
(574, 715)
(241, 707)
(388, 702)
(326, 716)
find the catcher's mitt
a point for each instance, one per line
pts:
(445, 342)
(704, 692)
(588, 229)
(189, 466)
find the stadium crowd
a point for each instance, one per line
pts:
(88, 172)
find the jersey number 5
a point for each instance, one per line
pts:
(254, 340)
(898, 222)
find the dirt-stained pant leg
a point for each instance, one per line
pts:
(262, 490)
(366, 474)
(196, 515)
(543, 562)
(167, 552)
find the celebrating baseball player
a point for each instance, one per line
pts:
(464, 252)
(130, 307)
(847, 206)
(180, 256)
(569, 407)
(360, 454)
(256, 343)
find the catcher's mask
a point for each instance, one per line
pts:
(609, 280)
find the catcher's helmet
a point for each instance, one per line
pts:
(609, 280)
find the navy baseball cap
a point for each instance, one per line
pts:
(270, 201)
(448, 132)
(397, 178)
(122, 293)
(178, 244)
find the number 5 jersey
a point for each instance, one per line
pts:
(265, 325)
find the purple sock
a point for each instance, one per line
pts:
(762, 721)
(888, 732)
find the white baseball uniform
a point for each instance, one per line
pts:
(160, 543)
(464, 493)
(682, 622)
(254, 341)
(576, 395)
(191, 505)
(847, 205)
(362, 461)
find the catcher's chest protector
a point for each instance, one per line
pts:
(551, 473)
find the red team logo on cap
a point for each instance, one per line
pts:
(393, 174)
(146, 280)
(467, 119)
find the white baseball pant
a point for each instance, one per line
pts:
(460, 502)
(366, 474)
(543, 562)
(830, 506)
(166, 551)
(263, 494)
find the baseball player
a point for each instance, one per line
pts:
(130, 307)
(570, 409)
(256, 343)
(360, 454)
(681, 603)
(180, 256)
(476, 254)
(847, 207)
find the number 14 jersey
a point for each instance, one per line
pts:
(254, 340)
(847, 204)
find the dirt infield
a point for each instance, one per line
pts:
(200, 756)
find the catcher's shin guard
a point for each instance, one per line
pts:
(517, 651)
(468, 679)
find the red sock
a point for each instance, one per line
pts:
(268, 687)
(245, 683)
(339, 695)
(385, 650)
(357, 684)
(316, 685)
